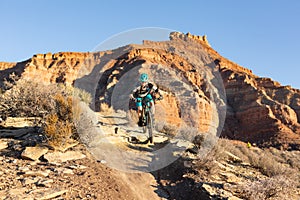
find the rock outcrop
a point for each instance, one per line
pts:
(199, 38)
(259, 110)
(6, 65)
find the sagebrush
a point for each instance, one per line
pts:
(55, 104)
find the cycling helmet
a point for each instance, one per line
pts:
(144, 77)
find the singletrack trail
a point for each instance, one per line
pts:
(121, 144)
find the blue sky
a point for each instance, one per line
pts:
(260, 35)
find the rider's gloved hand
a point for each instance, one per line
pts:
(132, 97)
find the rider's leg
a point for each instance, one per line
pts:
(139, 109)
(152, 108)
(150, 99)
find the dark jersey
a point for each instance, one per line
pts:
(141, 92)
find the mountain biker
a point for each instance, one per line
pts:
(145, 90)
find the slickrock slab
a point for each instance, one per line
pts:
(54, 194)
(64, 171)
(34, 153)
(21, 121)
(59, 157)
(3, 144)
(44, 194)
(44, 173)
(77, 167)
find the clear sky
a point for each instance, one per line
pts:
(262, 35)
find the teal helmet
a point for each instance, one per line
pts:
(144, 77)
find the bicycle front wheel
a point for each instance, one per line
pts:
(150, 126)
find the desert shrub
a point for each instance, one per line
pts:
(169, 129)
(76, 92)
(57, 105)
(57, 131)
(262, 159)
(83, 95)
(278, 186)
(280, 169)
(28, 99)
(265, 161)
(59, 126)
(268, 166)
(208, 165)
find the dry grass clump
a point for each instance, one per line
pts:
(59, 127)
(106, 109)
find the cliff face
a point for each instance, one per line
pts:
(258, 110)
(48, 68)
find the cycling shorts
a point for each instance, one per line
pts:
(148, 97)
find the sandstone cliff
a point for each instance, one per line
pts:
(259, 110)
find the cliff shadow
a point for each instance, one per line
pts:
(17, 70)
(112, 66)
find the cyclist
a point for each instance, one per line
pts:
(145, 90)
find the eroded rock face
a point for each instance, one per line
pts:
(259, 109)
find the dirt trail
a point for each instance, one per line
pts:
(122, 145)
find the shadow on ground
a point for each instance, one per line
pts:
(18, 139)
(172, 184)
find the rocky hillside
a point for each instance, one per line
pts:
(30, 169)
(258, 110)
